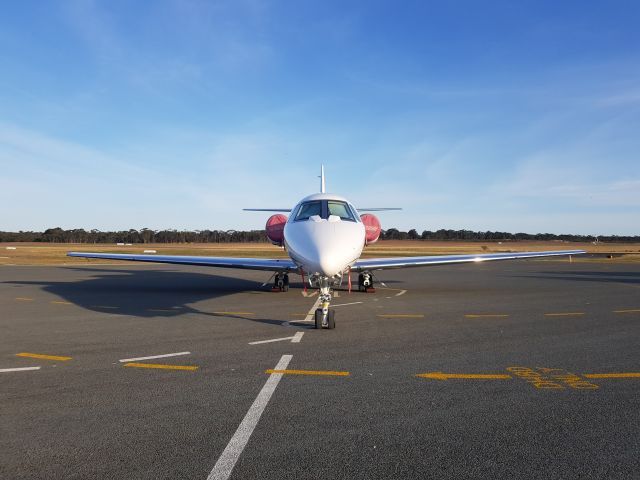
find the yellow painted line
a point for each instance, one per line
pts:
(401, 315)
(43, 357)
(298, 314)
(158, 365)
(233, 313)
(475, 376)
(563, 314)
(103, 306)
(24, 299)
(309, 372)
(635, 310)
(160, 310)
(58, 302)
(612, 375)
(486, 315)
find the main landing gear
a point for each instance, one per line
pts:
(280, 283)
(365, 282)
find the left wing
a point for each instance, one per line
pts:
(406, 262)
(273, 265)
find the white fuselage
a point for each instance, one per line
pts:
(324, 244)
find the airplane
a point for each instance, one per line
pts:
(324, 236)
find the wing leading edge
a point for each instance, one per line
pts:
(407, 262)
(273, 265)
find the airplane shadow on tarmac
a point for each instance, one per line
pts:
(628, 278)
(149, 293)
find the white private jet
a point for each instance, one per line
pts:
(324, 237)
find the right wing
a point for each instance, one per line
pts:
(273, 265)
(406, 262)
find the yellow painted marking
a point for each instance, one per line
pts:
(612, 375)
(401, 315)
(58, 302)
(43, 357)
(635, 310)
(563, 314)
(233, 313)
(160, 310)
(475, 376)
(24, 299)
(157, 365)
(103, 306)
(298, 314)
(486, 315)
(309, 372)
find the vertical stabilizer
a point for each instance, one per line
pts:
(322, 189)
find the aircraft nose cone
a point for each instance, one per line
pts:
(331, 262)
(322, 247)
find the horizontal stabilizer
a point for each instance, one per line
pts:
(377, 209)
(267, 210)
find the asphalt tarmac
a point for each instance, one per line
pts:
(530, 370)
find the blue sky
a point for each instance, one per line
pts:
(512, 116)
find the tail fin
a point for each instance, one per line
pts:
(322, 187)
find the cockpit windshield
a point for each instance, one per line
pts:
(308, 209)
(340, 209)
(324, 208)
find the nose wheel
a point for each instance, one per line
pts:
(328, 322)
(324, 317)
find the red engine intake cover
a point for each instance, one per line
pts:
(275, 228)
(372, 228)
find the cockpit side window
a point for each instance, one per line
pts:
(308, 209)
(340, 209)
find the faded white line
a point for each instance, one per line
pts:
(345, 304)
(297, 337)
(224, 466)
(154, 356)
(401, 292)
(22, 369)
(311, 316)
(272, 340)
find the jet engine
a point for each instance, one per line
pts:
(372, 228)
(275, 229)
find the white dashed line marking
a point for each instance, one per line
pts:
(272, 340)
(124, 360)
(345, 304)
(22, 369)
(224, 466)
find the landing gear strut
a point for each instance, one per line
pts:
(324, 317)
(365, 282)
(280, 283)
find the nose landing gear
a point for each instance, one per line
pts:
(324, 317)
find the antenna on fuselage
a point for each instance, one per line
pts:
(322, 189)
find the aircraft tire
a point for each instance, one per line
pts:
(318, 318)
(331, 320)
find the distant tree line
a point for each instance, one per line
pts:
(146, 235)
(394, 234)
